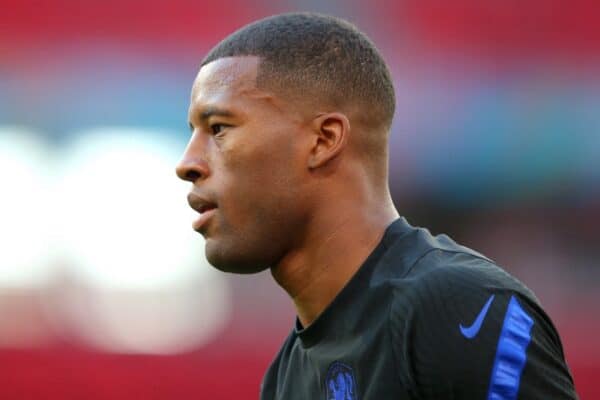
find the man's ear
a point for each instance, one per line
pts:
(331, 137)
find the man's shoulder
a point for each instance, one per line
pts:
(460, 321)
(414, 250)
(421, 267)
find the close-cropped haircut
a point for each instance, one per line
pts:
(317, 55)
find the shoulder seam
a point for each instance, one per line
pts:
(418, 260)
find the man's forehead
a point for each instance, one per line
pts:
(226, 74)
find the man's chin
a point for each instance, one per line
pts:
(229, 261)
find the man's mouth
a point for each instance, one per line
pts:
(199, 224)
(206, 208)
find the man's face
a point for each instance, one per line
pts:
(246, 162)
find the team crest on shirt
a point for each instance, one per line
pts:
(340, 383)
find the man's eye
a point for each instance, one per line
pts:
(217, 128)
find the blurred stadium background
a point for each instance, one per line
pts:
(104, 293)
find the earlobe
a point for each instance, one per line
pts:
(331, 132)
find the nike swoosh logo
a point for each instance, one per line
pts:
(472, 331)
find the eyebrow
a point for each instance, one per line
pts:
(214, 111)
(211, 112)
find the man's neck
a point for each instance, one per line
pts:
(333, 251)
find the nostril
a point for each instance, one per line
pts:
(187, 174)
(192, 175)
(192, 171)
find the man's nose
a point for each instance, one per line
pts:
(192, 165)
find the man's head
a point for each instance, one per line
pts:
(280, 110)
(316, 59)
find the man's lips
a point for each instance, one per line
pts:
(206, 208)
(199, 223)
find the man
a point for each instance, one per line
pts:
(288, 158)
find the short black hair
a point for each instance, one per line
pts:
(316, 54)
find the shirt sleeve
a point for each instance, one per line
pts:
(465, 329)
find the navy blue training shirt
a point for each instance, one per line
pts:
(424, 318)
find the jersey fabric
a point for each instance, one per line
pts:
(424, 318)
